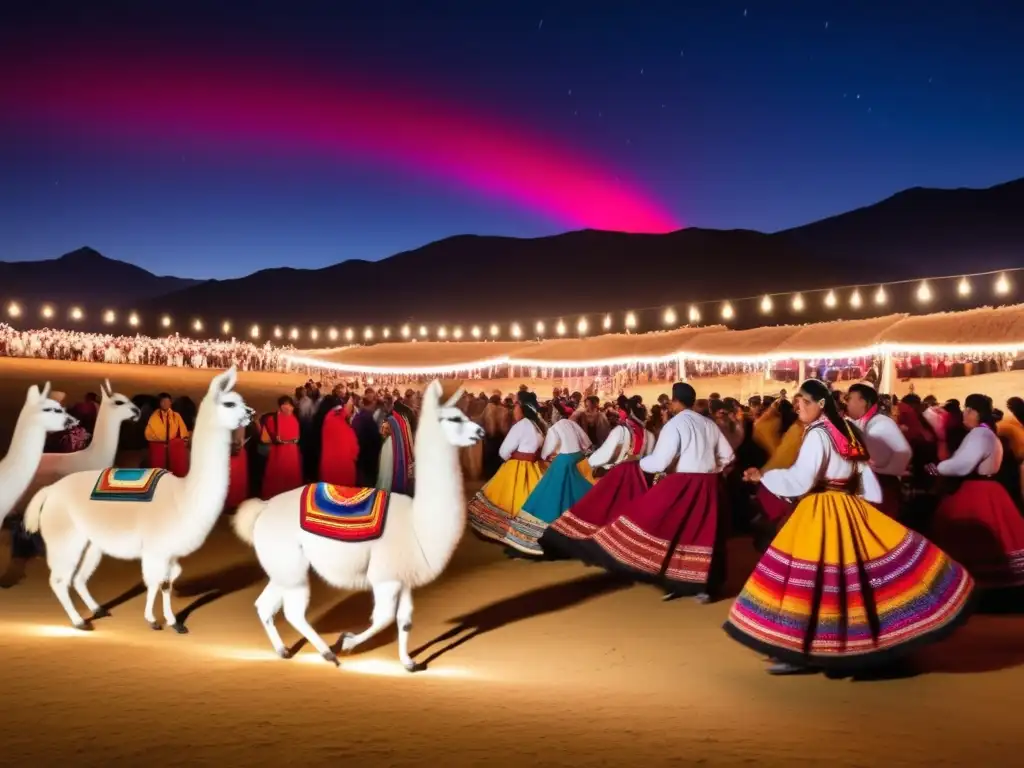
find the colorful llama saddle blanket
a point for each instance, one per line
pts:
(342, 513)
(136, 485)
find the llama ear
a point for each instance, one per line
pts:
(107, 390)
(33, 394)
(435, 389)
(225, 382)
(46, 391)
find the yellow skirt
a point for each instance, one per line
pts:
(502, 498)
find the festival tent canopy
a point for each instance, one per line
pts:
(949, 332)
(414, 356)
(609, 349)
(735, 346)
(839, 338)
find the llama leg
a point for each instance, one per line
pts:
(296, 601)
(63, 557)
(60, 583)
(90, 562)
(165, 590)
(385, 604)
(154, 572)
(267, 605)
(404, 617)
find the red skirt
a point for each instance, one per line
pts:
(284, 470)
(774, 508)
(172, 455)
(609, 498)
(892, 496)
(671, 535)
(980, 527)
(238, 484)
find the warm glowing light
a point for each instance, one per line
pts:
(198, 325)
(607, 323)
(349, 334)
(255, 331)
(76, 313)
(47, 311)
(669, 317)
(964, 287)
(880, 295)
(560, 328)
(13, 310)
(405, 331)
(924, 292)
(830, 299)
(110, 316)
(277, 332)
(442, 332)
(766, 304)
(516, 331)
(423, 330)
(225, 327)
(54, 630)
(314, 334)
(332, 334)
(133, 319)
(798, 303)
(630, 320)
(540, 327)
(495, 330)
(386, 333)
(581, 326)
(727, 312)
(165, 321)
(368, 334)
(694, 315)
(476, 331)
(1002, 285)
(294, 334)
(457, 333)
(855, 300)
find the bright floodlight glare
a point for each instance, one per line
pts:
(495, 330)
(924, 292)
(766, 304)
(109, 316)
(830, 299)
(516, 331)
(47, 311)
(540, 327)
(694, 315)
(630, 320)
(880, 295)
(855, 300)
(314, 334)
(607, 323)
(76, 313)
(581, 326)
(1002, 285)
(255, 331)
(560, 328)
(964, 287)
(198, 325)
(442, 332)
(670, 316)
(165, 321)
(457, 332)
(133, 319)
(332, 334)
(386, 333)
(277, 332)
(476, 331)
(225, 327)
(405, 331)
(349, 334)
(294, 333)
(798, 303)
(423, 330)
(727, 312)
(13, 310)
(368, 333)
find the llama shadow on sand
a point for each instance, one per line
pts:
(527, 605)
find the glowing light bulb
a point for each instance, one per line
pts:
(254, 332)
(368, 334)
(294, 333)
(423, 331)
(332, 334)
(109, 316)
(133, 319)
(798, 303)
(495, 330)
(476, 331)
(963, 287)
(630, 320)
(880, 295)
(727, 312)
(669, 317)
(540, 327)
(457, 333)
(581, 326)
(516, 331)
(165, 321)
(405, 331)
(314, 334)
(198, 325)
(76, 313)
(855, 300)
(277, 332)
(607, 322)
(694, 315)
(560, 328)
(924, 292)
(442, 332)
(47, 311)
(386, 333)
(349, 334)
(830, 299)
(13, 310)
(766, 304)
(1002, 285)
(225, 327)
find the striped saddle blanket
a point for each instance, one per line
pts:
(138, 485)
(342, 513)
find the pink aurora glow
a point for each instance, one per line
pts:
(240, 103)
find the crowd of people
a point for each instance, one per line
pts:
(174, 350)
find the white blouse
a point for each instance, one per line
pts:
(887, 446)
(524, 437)
(565, 436)
(696, 440)
(613, 450)
(818, 461)
(981, 452)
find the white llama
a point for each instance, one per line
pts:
(39, 416)
(418, 540)
(101, 452)
(79, 531)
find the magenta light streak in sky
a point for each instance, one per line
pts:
(247, 103)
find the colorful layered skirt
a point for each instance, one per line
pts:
(567, 480)
(610, 498)
(844, 586)
(982, 528)
(670, 536)
(501, 500)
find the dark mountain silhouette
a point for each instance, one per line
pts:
(469, 278)
(84, 277)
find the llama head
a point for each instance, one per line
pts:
(229, 409)
(120, 407)
(455, 425)
(41, 411)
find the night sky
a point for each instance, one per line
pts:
(212, 143)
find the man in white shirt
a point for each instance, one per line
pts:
(887, 446)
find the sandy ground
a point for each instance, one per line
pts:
(540, 664)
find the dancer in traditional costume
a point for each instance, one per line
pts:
(284, 460)
(623, 484)
(339, 447)
(166, 434)
(567, 479)
(888, 447)
(843, 586)
(978, 523)
(396, 471)
(502, 498)
(238, 484)
(674, 535)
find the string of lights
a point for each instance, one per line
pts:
(1001, 287)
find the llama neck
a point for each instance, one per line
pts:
(105, 437)
(439, 506)
(206, 485)
(22, 460)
